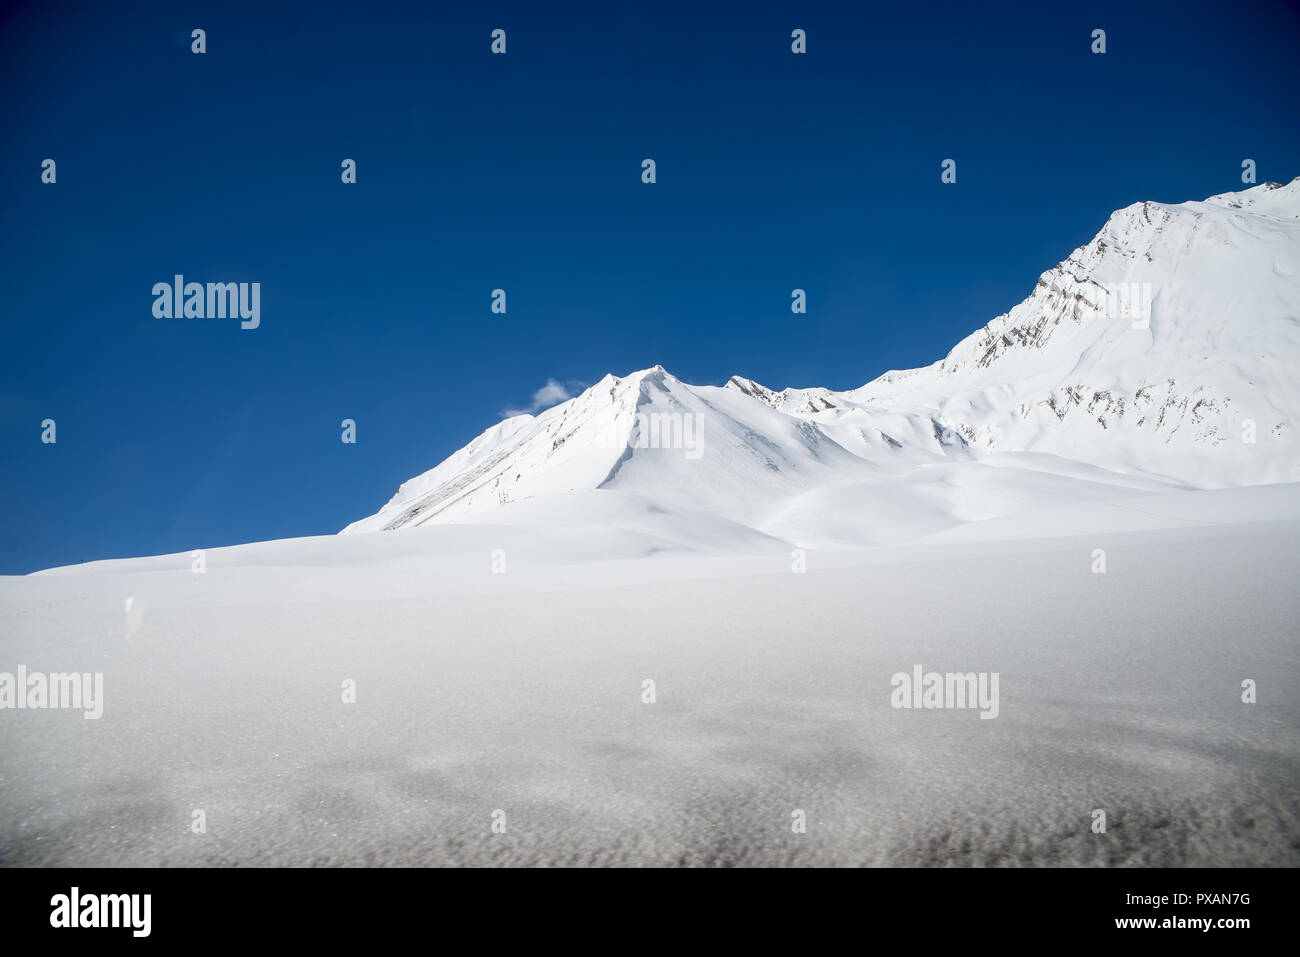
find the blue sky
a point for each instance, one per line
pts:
(522, 172)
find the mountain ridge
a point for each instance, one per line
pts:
(1164, 352)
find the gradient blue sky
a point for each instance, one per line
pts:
(523, 172)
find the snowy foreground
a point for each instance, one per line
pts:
(522, 692)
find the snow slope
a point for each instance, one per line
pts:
(522, 692)
(1077, 391)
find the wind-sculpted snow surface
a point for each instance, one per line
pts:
(1165, 353)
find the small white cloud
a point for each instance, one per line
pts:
(548, 395)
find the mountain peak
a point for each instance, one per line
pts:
(1166, 350)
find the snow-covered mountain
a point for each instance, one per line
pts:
(354, 699)
(1163, 354)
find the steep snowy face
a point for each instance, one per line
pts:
(573, 446)
(1165, 345)
(1166, 351)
